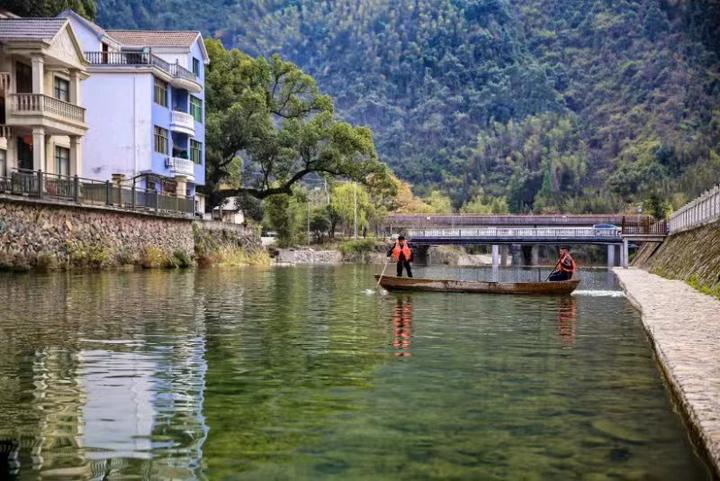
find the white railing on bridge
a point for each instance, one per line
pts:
(701, 211)
(518, 233)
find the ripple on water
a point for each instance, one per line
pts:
(298, 374)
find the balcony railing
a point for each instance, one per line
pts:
(32, 103)
(5, 131)
(4, 81)
(182, 122)
(28, 183)
(181, 166)
(140, 58)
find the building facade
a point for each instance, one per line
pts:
(146, 106)
(42, 121)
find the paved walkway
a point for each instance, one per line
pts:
(684, 325)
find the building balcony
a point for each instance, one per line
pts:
(5, 131)
(182, 122)
(177, 75)
(58, 116)
(179, 166)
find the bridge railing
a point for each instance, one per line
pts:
(518, 233)
(701, 211)
(513, 220)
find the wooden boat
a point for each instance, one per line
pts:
(392, 283)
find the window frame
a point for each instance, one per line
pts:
(58, 92)
(3, 163)
(158, 86)
(198, 107)
(161, 136)
(196, 146)
(196, 66)
(62, 156)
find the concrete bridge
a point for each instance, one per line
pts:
(614, 231)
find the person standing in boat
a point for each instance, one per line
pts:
(403, 255)
(565, 267)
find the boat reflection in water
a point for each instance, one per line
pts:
(402, 327)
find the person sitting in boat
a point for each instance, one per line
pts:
(565, 268)
(402, 254)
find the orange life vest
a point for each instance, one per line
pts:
(567, 268)
(405, 250)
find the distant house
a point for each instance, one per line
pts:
(42, 122)
(229, 211)
(146, 111)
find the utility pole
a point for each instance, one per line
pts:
(355, 226)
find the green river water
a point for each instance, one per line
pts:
(298, 373)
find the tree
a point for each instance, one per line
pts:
(319, 224)
(439, 203)
(49, 8)
(268, 120)
(484, 204)
(344, 198)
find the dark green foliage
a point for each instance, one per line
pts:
(48, 8)
(630, 87)
(320, 223)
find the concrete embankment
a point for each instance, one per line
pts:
(692, 256)
(684, 327)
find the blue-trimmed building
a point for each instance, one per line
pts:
(145, 101)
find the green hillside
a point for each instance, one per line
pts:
(554, 105)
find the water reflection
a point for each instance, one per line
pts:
(287, 374)
(97, 382)
(402, 327)
(566, 317)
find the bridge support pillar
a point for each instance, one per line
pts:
(495, 261)
(517, 255)
(504, 255)
(625, 254)
(535, 255)
(611, 255)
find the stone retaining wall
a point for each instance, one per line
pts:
(309, 256)
(49, 235)
(34, 234)
(692, 256)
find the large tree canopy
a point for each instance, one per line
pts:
(269, 126)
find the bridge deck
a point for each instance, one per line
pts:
(516, 235)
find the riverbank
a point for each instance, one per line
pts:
(684, 327)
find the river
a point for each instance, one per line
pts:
(301, 373)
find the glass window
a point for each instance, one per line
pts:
(196, 108)
(161, 92)
(161, 140)
(62, 161)
(62, 89)
(196, 66)
(3, 162)
(195, 151)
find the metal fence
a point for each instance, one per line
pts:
(610, 233)
(41, 185)
(699, 212)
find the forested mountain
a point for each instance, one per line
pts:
(579, 105)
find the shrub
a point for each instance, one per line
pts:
(357, 246)
(153, 257)
(125, 256)
(181, 259)
(46, 261)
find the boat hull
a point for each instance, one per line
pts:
(559, 288)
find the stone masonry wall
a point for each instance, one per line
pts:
(37, 235)
(692, 256)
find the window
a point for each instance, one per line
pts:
(24, 78)
(196, 66)
(196, 108)
(195, 151)
(3, 161)
(161, 92)
(62, 89)
(62, 161)
(161, 140)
